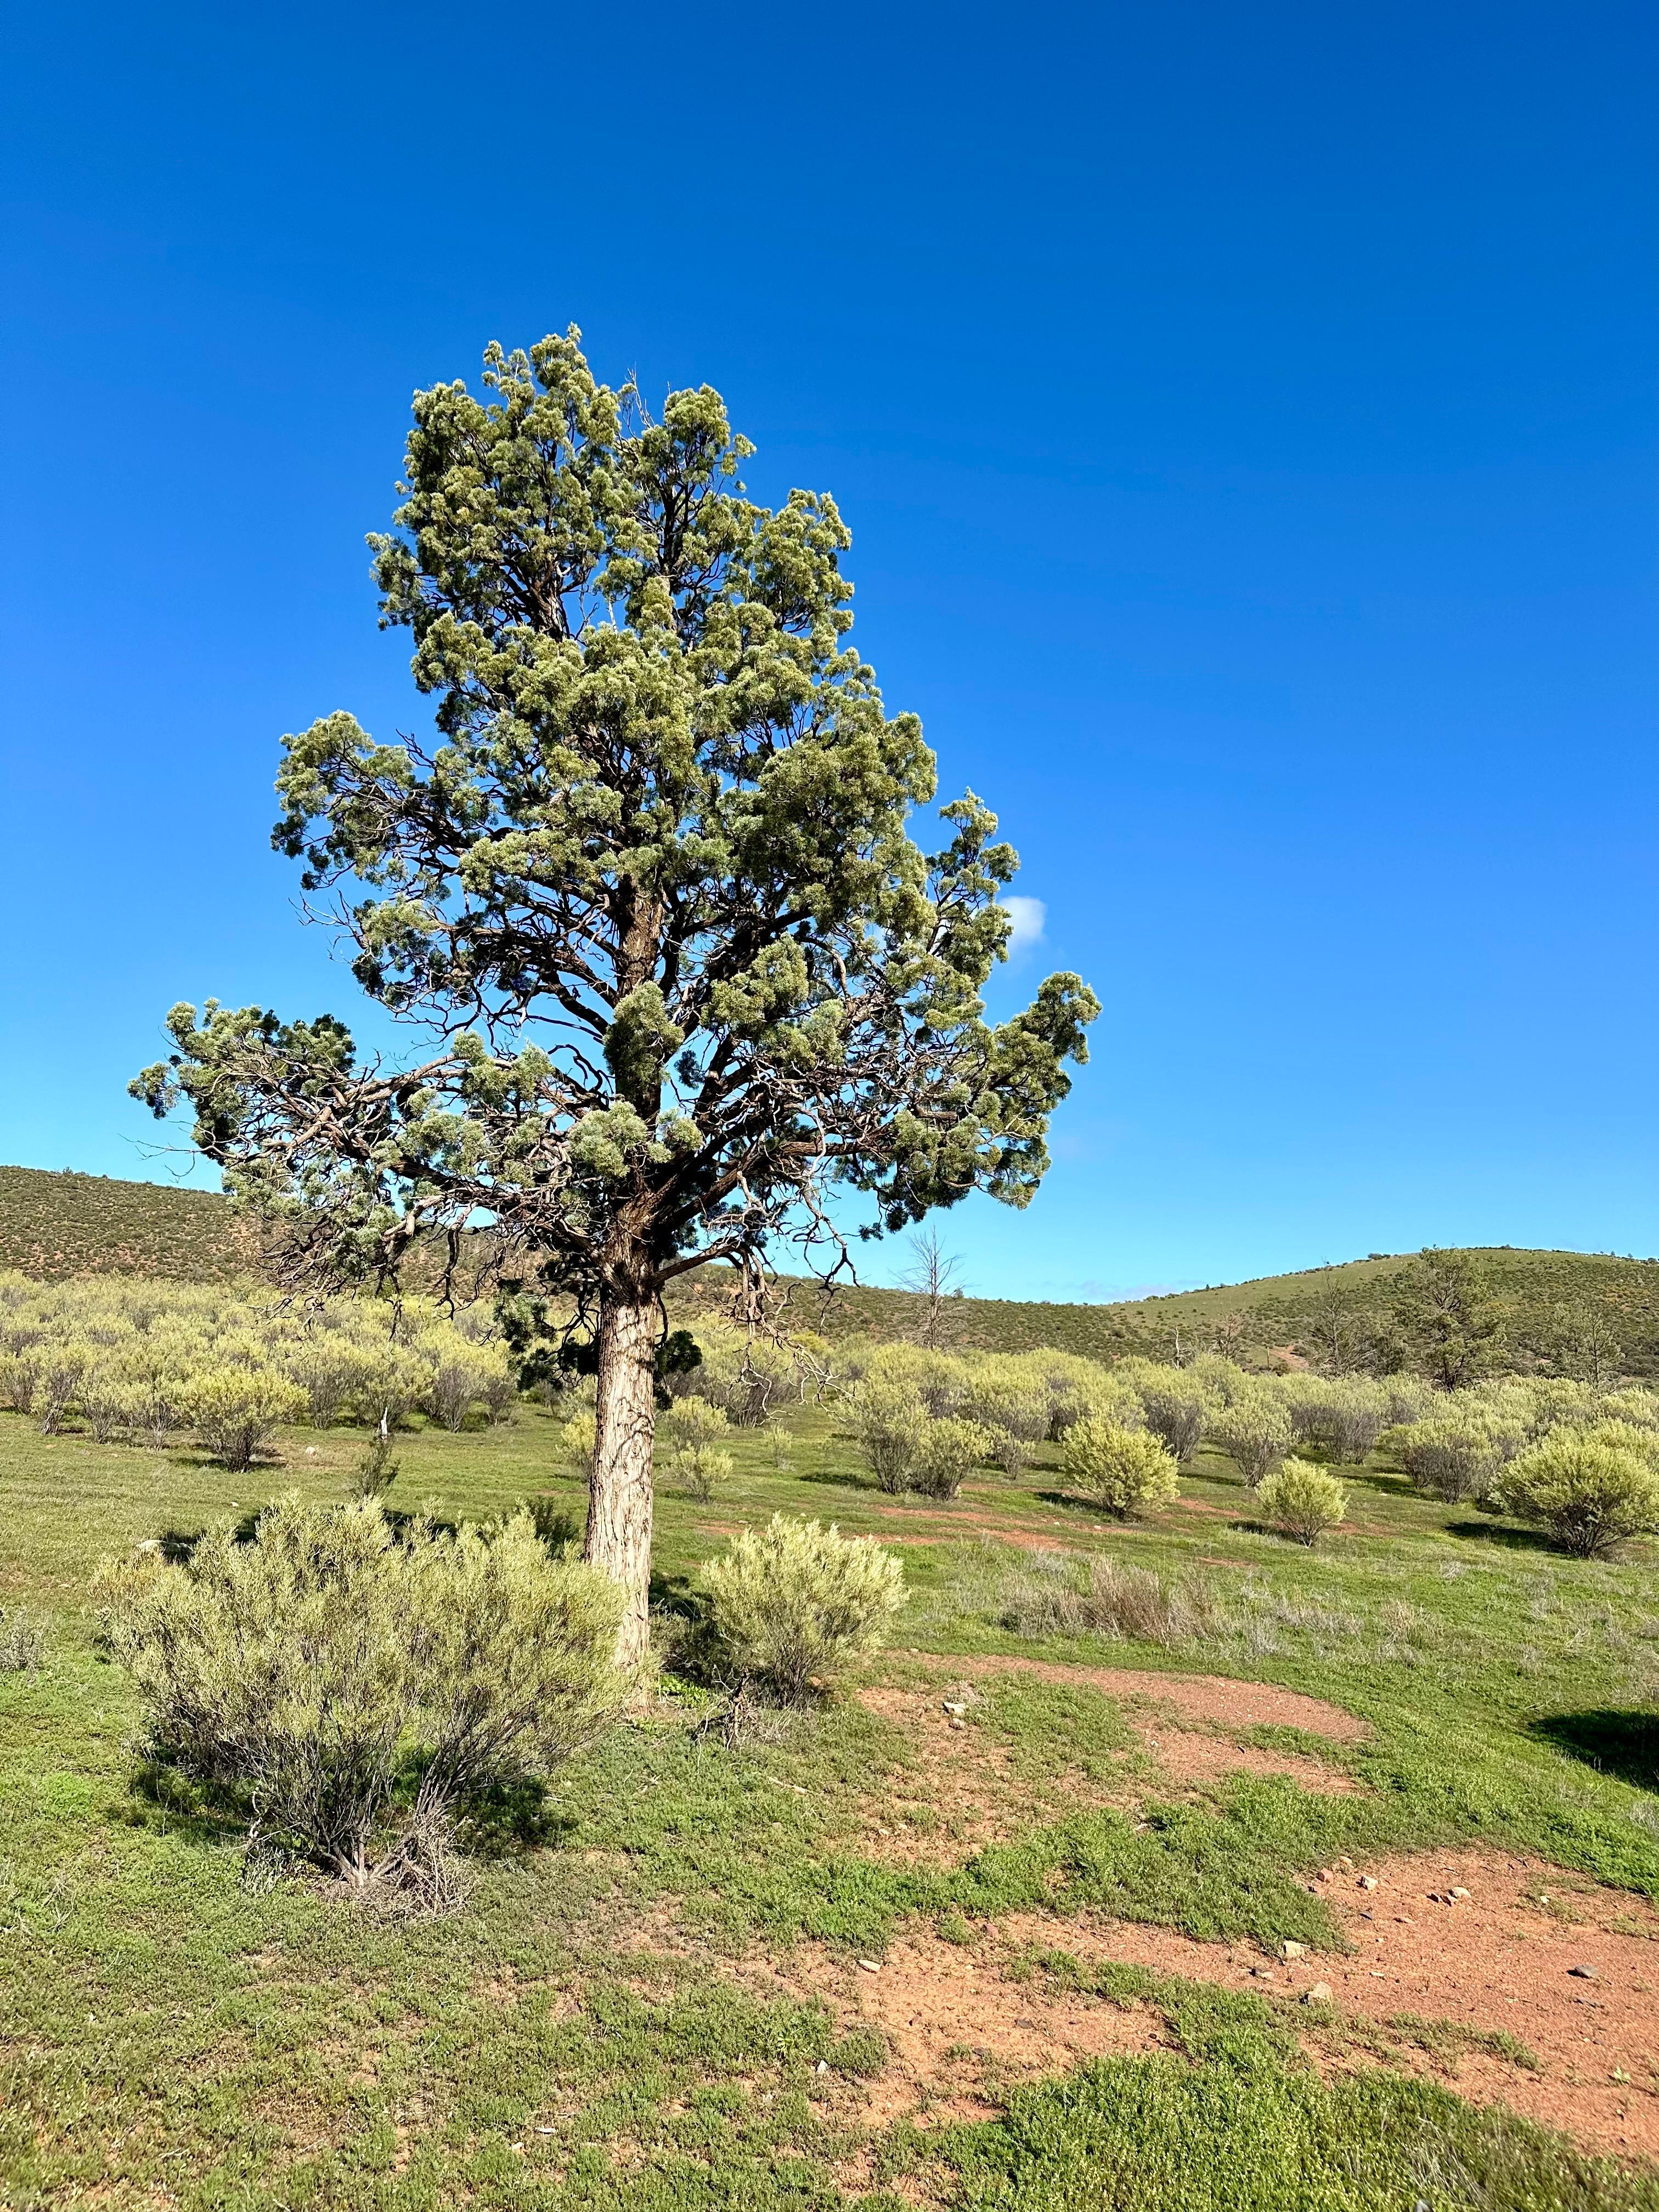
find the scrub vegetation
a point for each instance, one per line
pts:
(342, 1868)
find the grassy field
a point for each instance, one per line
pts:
(653, 1998)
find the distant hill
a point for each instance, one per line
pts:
(53, 1226)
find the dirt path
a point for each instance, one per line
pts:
(1496, 1963)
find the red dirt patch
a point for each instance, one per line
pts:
(1213, 1698)
(1495, 1962)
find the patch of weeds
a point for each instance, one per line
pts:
(862, 2052)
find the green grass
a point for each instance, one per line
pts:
(579, 2035)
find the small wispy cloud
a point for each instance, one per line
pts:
(1027, 916)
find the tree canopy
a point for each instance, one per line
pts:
(649, 893)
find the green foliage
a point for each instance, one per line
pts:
(236, 1410)
(318, 1675)
(1593, 1489)
(1452, 1456)
(1126, 1470)
(1301, 1500)
(1254, 1430)
(1177, 1406)
(793, 1602)
(949, 1450)
(1056, 1596)
(887, 1415)
(1445, 1312)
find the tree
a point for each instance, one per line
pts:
(650, 898)
(1446, 1314)
(932, 1277)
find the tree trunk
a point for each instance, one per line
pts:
(618, 1540)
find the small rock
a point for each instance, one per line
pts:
(822, 2066)
(1460, 1892)
(1289, 1949)
(1325, 1874)
(1343, 1860)
(954, 1723)
(1584, 1973)
(871, 1966)
(951, 1708)
(1319, 1994)
(1368, 1881)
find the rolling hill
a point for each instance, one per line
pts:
(54, 1226)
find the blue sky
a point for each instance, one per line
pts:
(1247, 423)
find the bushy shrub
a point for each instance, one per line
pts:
(1638, 1406)
(949, 1450)
(1307, 1399)
(1355, 1415)
(794, 1602)
(1255, 1432)
(1407, 1398)
(1593, 1489)
(1454, 1455)
(580, 1438)
(319, 1675)
(62, 1362)
(1125, 1470)
(1054, 1595)
(1011, 1398)
(1176, 1407)
(887, 1416)
(236, 1410)
(1301, 1500)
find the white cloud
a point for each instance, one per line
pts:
(1027, 915)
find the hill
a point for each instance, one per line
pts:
(53, 1226)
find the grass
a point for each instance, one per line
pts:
(581, 2035)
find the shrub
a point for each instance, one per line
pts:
(887, 1417)
(330, 1369)
(1255, 1432)
(1126, 1470)
(235, 1410)
(62, 1363)
(22, 1642)
(1301, 1500)
(328, 1672)
(580, 1436)
(1592, 1489)
(702, 1467)
(1454, 1455)
(1177, 1409)
(1057, 1596)
(795, 1601)
(950, 1450)
(1640, 1407)
(1355, 1416)
(1011, 1398)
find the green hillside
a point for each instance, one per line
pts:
(55, 1226)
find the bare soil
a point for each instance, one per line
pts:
(1427, 1970)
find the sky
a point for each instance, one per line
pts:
(1247, 420)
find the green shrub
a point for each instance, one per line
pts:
(1639, 1406)
(1177, 1406)
(1592, 1489)
(580, 1438)
(1302, 1501)
(350, 1690)
(1356, 1414)
(949, 1450)
(22, 1642)
(1255, 1432)
(1011, 1398)
(235, 1410)
(1125, 1470)
(1050, 1594)
(1454, 1455)
(794, 1602)
(887, 1416)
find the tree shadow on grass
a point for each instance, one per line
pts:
(1504, 1535)
(1626, 1744)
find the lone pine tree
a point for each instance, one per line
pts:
(649, 897)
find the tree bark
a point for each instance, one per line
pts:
(618, 1540)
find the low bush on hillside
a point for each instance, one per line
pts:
(1302, 1501)
(1056, 1596)
(1593, 1489)
(1126, 1470)
(949, 1450)
(1452, 1456)
(351, 1690)
(791, 1603)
